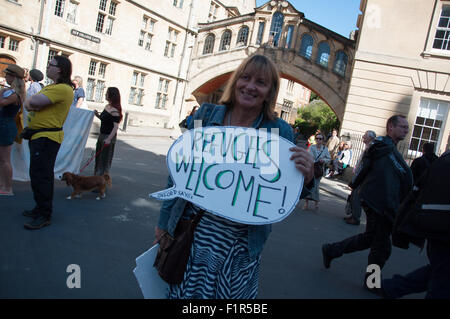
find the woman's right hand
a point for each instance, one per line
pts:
(158, 234)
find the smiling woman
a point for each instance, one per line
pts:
(230, 269)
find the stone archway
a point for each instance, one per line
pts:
(331, 88)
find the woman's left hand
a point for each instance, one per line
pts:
(304, 162)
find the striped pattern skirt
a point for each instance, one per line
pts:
(219, 265)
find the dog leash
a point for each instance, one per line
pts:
(92, 158)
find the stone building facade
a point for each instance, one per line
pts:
(143, 47)
(402, 66)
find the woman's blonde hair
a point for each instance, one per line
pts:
(255, 64)
(79, 79)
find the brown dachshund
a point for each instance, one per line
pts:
(87, 183)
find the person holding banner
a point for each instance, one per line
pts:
(11, 100)
(224, 257)
(47, 112)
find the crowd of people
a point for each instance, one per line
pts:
(43, 111)
(383, 185)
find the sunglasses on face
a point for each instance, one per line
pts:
(319, 138)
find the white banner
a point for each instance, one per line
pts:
(241, 174)
(76, 132)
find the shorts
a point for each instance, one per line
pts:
(8, 131)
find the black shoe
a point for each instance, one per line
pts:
(326, 255)
(37, 223)
(352, 221)
(30, 213)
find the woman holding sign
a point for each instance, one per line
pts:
(225, 256)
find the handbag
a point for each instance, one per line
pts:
(173, 253)
(318, 169)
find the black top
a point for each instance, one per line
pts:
(107, 122)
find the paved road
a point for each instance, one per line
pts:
(104, 238)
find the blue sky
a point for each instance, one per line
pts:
(337, 15)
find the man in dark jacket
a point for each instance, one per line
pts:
(425, 214)
(421, 164)
(384, 180)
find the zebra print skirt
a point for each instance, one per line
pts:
(219, 265)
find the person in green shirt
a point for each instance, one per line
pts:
(47, 112)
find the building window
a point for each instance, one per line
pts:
(289, 36)
(2, 42)
(102, 70)
(178, 3)
(213, 8)
(162, 96)
(103, 4)
(137, 88)
(442, 36)
(112, 8)
(13, 45)
(260, 32)
(90, 85)
(72, 9)
(106, 17)
(95, 87)
(92, 67)
(290, 86)
(59, 8)
(286, 109)
(146, 35)
(171, 43)
(275, 28)
(51, 55)
(242, 37)
(323, 55)
(100, 23)
(225, 41)
(431, 115)
(340, 65)
(306, 46)
(209, 44)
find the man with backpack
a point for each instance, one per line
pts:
(384, 180)
(425, 214)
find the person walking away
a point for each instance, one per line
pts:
(385, 180)
(355, 202)
(232, 270)
(11, 100)
(420, 165)
(47, 113)
(78, 94)
(109, 125)
(425, 218)
(321, 155)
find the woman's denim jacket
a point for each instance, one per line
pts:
(172, 210)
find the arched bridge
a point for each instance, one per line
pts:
(304, 52)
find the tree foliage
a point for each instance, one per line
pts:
(316, 115)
